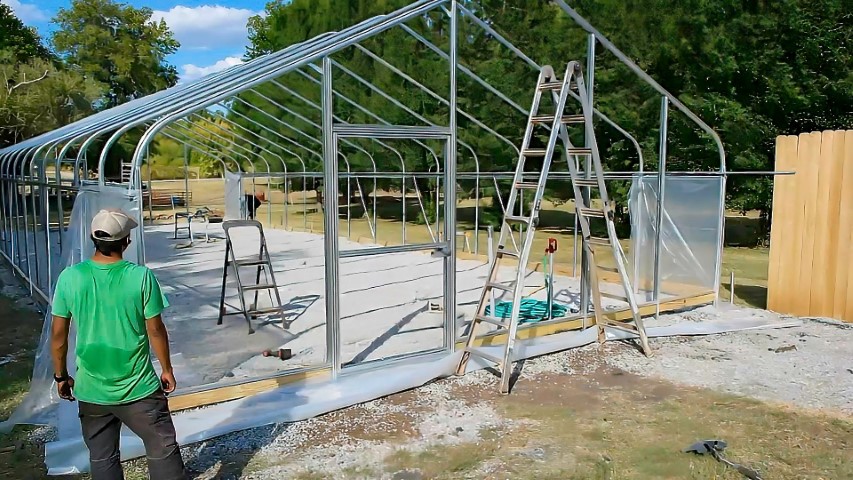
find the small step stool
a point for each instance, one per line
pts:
(263, 264)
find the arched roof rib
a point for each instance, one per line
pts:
(214, 88)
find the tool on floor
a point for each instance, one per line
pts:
(715, 448)
(262, 263)
(282, 354)
(582, 182)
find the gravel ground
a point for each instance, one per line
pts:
(810, 366)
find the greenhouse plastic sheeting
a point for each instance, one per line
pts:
(690, 233)
(233, 196)
(39, 405)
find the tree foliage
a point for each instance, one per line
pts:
(751, 70)
(117, 45)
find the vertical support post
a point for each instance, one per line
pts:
(330, 220)
(664, 123)
(186, 180)
(491, 256)
(403, 195)
(450, 195)
(587, 168)
(732, 287)
(150, 189)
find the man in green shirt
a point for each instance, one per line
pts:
(116, 308)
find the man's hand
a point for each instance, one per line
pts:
(65, 389)
(167, 381)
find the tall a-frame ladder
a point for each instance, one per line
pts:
(593, 247)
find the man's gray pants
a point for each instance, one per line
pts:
(149, 419)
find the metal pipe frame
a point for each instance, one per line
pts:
(25, 187)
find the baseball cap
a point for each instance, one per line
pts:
(115, 223)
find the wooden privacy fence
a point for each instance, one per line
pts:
(811, 263)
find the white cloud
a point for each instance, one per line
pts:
(207, 26)
(194, 72)
(27, 12)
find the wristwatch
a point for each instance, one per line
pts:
(60, 379)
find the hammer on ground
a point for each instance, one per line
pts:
(282, 353)
(715, 448)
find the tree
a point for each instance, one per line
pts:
(18, 40)
(38, 97)
(117, 45)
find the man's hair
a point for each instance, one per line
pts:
(106, 247)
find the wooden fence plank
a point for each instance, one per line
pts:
(808, 156)
(784, 199)
(811, 242)
(825, 232)
(846, 240)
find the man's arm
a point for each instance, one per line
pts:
(159, 338)
(59, 350)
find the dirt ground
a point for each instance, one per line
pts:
(782, 399)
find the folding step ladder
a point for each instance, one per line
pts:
(126, 172)
(263, 264)
(558, 122)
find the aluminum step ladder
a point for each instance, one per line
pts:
(558, 123)
(263, 264)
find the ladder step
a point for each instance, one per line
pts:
(598, 241)
(477, 352)
(556, 85)
(260, 286)
(591, 212)
(250, 263)
(506, 253)
(625, 327)
(613, 296)
(517, 219)
(492, 320)
(527, 185)
(534, 152)
(579, 151)
(549, 119)
(586, 182)
(500, 286)
(258, 311)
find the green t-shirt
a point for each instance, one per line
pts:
(109, 303)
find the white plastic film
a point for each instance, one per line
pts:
(690, 233)
(39, 405)
(234, 198)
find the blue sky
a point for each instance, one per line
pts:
(212, 32)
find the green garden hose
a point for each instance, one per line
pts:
(531, 310)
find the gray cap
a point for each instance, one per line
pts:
(117, 224)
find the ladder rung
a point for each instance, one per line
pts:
(260, 286)
(625, 327)
(598, 241)
(516, 219)
(534, 152)
(492, 320)
(557, 85)
(608, 269)
(477, 352)
(613, 296)
(548, 119)
(586, 182)
(591, 212)
(527, 185)
(580, 151)
(265, 310)
(507, 253)
(250, 263)
(500, 286)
